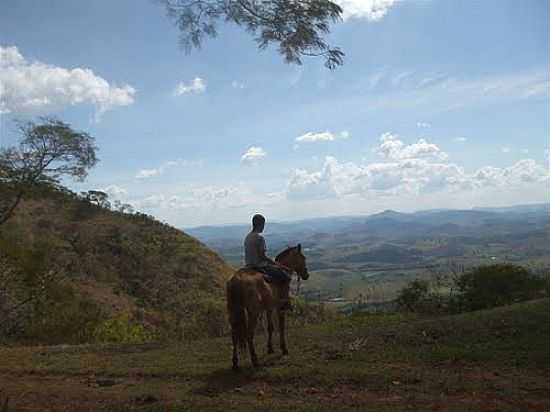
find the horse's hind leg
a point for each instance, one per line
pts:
(269, 317)
(282, 332)
(252, 321)
(234, 336)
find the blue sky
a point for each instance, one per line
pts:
(440, 103)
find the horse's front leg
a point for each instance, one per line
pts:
(269, 316)
(252, 321)
(282, 331)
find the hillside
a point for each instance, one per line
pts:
(101, 266)
(493, 360)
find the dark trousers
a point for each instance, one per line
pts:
(276, 273)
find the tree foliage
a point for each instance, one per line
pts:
(480, 288)
(496, 285)
(47, 151)
(413, 297)
(297, 27)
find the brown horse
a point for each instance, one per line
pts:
(248, 295)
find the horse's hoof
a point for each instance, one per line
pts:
(285, 352)
(236, 368)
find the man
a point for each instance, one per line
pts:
(255, 258)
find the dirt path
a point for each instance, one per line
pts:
(455, 389)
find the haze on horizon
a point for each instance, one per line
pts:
(440, 104)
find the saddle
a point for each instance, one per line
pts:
(261, 270)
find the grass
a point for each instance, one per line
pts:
(491, 360)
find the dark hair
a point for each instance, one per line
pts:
(257, 220)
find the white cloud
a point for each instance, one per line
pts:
(322, 137)
(116, 192)
(147, 173)
(392, 148)
(237, 85)
(506, 150)
(196, 86)
(460, 139)
(423, 125)
(158, 171)
(419, 168)
(253, 155)
(39, 87)
(197, 200)
(365, 9)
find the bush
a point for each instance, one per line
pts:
(306, 313)
(496, 285)
(414, 297)
(121, 329)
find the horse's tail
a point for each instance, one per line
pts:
(237, 314)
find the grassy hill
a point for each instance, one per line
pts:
(88, 271)
(493, 360)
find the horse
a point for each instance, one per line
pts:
(249, 295)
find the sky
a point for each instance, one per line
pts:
(439, 104)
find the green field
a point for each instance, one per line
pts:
(495, 360)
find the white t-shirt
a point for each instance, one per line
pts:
(253, 244)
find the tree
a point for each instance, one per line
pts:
(48, 151)
(413, 297)
(497, 285)
(298, 27)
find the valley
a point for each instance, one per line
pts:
(372, 258)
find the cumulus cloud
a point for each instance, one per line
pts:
(38, 87)
(164, 167)
(392, 148)
(505, 150)
(460, 139)
(196, 86)
(372, 10)
(418, 168)
(253, 155)
(116, 192)
(322, 137)
(423, 125)
(197, 199)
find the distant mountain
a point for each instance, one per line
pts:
(532, 208)
(389, 225)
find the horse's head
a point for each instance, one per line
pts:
(294, 259)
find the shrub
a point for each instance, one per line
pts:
(414, 297)
(121, 329)
(496, 285)
(304, 313)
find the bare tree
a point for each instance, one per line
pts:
(47, 151)
(297, 27)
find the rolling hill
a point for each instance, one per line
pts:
(100, 267)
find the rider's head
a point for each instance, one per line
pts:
(258, 223)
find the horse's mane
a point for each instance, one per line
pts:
(285, 253)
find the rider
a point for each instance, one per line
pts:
(255, 258)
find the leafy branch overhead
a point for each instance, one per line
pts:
(297, 27)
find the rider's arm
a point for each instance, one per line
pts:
(261, 251)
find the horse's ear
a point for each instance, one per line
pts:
(299, 247)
